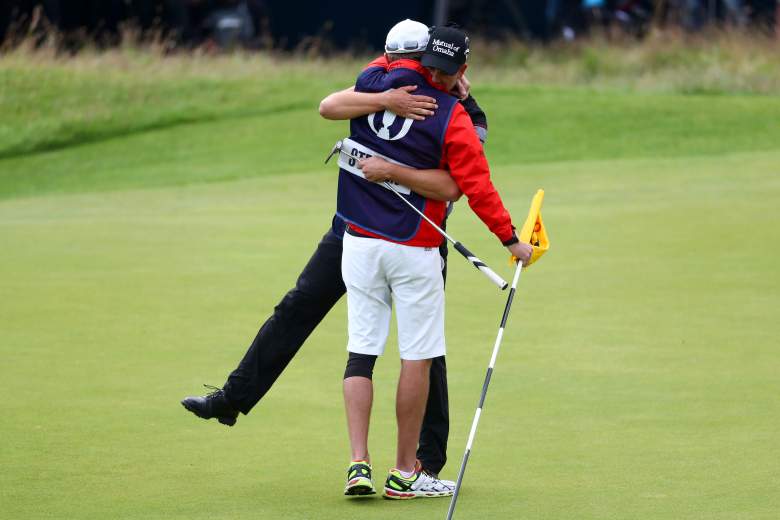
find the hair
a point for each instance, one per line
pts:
(392, 56)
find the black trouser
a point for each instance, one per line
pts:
(317, 290)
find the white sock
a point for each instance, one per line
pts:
(406, 474)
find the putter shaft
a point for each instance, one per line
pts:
(460, 248)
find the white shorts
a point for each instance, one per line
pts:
(378, 273)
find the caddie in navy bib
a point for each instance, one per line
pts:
(416, 144)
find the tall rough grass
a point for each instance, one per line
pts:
(717, 62)
(49, 101)
(668, 61)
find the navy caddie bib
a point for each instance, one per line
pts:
(417, 144)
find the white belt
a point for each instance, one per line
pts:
(350, 152)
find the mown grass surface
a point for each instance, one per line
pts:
(638, 376)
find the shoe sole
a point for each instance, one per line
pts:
(392, 494)
(228, 421)
(359, 487)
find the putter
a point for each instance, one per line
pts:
(478, 413)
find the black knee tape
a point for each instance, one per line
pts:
(361, 365)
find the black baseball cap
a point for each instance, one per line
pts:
(447, 49)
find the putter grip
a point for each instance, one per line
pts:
(479, 264)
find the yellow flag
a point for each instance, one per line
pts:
(533, 231)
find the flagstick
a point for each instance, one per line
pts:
(478, 413)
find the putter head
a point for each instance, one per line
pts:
(336, 149)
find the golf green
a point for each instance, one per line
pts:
(638, 377)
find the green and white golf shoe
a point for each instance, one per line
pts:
(359, 482)
(419, 485)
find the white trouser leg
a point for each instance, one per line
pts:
(368, 294)
(418, 294)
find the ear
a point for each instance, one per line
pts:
(462, 70)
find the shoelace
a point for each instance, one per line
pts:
(437, 482)
(214, 390)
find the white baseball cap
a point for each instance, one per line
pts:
(407, 36)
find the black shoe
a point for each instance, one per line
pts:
(213, 405)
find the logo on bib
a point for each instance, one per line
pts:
(382, 130)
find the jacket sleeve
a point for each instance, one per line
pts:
(465, 159)
(373, 78)
(381, 61)
(477, 115)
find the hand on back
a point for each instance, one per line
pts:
(462, 88)
(402, 102)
